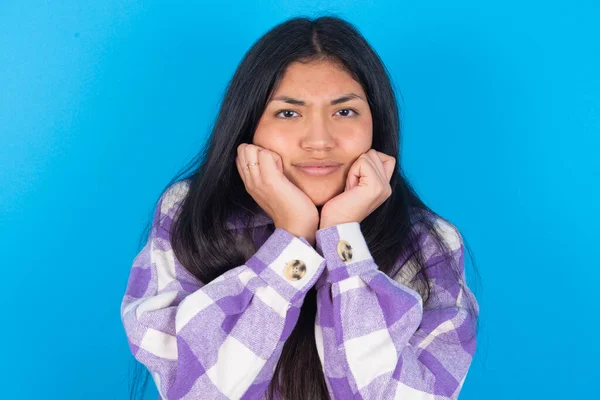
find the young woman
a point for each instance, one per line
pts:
(295, 261)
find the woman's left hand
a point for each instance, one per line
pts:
(367, 187)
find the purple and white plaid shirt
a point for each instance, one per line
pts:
(222, 340)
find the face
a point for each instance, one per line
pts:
(318, 114)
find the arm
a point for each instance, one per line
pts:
(374, 338)
(217, 340)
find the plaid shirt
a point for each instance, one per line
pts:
(222, 340)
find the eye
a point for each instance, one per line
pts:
(345, 112)
(287, 113)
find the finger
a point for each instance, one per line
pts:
(279, 162)
(251, 155)
(370, 172)
(242, 160)
(268, 165)
(358, 172)
(376, 162)
(276, 159)
(353, 178)
(389, 164)
(385, 164)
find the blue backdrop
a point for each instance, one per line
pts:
(101, 103)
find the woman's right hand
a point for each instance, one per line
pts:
(288, 206)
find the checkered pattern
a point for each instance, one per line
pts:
(374, 338)
(222, 340)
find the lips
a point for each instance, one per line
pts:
(317, 163)
(318, 170)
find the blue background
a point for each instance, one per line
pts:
(102, 103)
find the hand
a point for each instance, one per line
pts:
(288, 206)
(367, 187)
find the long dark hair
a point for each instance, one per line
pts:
(199, 237)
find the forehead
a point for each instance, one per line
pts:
(317, 78)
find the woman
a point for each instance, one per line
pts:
(295, 261)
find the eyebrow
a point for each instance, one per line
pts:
(343, 99)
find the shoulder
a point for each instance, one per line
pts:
(426, 224)
(440, 245)
(173, 196)
(449, 232)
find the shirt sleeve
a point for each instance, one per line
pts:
(374, 338)
(219, 340)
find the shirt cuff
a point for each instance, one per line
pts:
(288, 264)
(345, 251)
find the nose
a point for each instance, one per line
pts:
(318, 134)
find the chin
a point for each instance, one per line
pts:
(320, 191)
(319, 198)
(320, 201)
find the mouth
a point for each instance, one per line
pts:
(318, 171)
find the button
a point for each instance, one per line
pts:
(294, 270)
(344, 250)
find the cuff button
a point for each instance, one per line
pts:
(294, 270)
(344, 250)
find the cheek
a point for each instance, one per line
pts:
(367, 137)
(273, 140)
(360, 142)
(265, 136)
